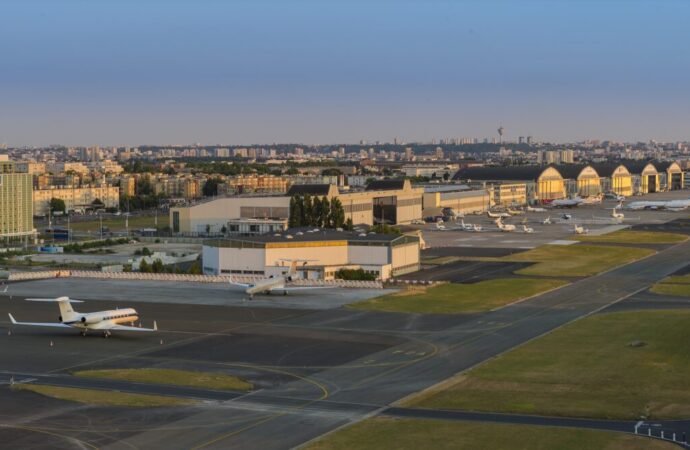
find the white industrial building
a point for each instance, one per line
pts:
(325, 252)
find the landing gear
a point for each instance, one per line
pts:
(82, 333)
(106, 334)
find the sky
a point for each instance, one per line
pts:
(135, 72)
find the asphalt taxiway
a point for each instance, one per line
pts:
(315, 370)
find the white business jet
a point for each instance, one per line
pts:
(535, 209)
(497, 215)
(102, 321)
(528, 230)
(505, 227)
(579, 229)
(280, 283)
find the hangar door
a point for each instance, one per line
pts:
(676, 181)
(651, 183)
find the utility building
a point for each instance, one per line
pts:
(324, 251)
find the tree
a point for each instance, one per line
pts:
(157, 266)
(308, 210)
(144, 267)
(57, 205)
(296, 212)
(337, 214)
(293, 219)
(446, 176)
(98, 203)
(349, 226)
(317, 212)
(325, 218)
(331, 172)
(210, 188)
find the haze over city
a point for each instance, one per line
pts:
(258, 72)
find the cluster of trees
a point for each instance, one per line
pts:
(80, 247)
(157, 267)
(57, 205)
(355, 274)
(384, 228)
(210, 188)
(317, 212)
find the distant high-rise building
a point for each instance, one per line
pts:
(529, 140)
(409, 154)
(521, 140)
(439, 153)
(16, 205)
(567, 156)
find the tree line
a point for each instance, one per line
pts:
(308, 211)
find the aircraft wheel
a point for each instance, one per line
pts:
(284, 292)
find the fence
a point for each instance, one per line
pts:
(649, 430)
(175, 277)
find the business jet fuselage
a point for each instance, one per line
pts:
(105, 321)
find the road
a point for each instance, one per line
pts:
(295, 417)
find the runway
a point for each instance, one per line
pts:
(316, 369)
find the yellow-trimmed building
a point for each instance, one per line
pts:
(620, 180)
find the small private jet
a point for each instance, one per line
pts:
(535, 209)
(668, 205)
(567, 202)
(497, 215)
(101, 321)
(277, 284)
(579, 229)
(505, 227)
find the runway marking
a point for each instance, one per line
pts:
(69, 439)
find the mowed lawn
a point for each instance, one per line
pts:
(451, 298)
(105, 398)
(414, 434)
(576, 260)
(677, 285)
(634, 237)
(207, 380)
(586, 369)
(117, 223)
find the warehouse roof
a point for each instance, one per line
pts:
(311, 189)
(636, 167)
(522, 173)
(607, 169)
(386, 185)
(313, 235)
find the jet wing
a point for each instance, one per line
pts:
(300, 288)
(244, 285)
(38, 324)
(126, 328)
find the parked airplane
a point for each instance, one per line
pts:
(105, 321)
(567, 216)
(567, 202)
(477, 228)
(280, 283)
(669, 205)
(441, 227)
(547, 221)
(515, 212)
(528, 230)
(466, 226)
(506, 227)
(579, 229)
(533, 209)
(499, 215)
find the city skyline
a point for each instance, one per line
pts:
(152, 72)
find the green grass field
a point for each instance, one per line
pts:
(576, 260)
(413, 434)
(118, 223)
(677, 285)
(634, 237)
(451, 298)
(207, 380)
(104, 398)
(586, 369)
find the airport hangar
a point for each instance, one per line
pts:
(393, 201)
(547, 183)
(323, 251)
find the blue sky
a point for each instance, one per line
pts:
(126, 72)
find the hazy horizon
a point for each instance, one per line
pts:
(153, 72)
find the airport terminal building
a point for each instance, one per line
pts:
(325, 252)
